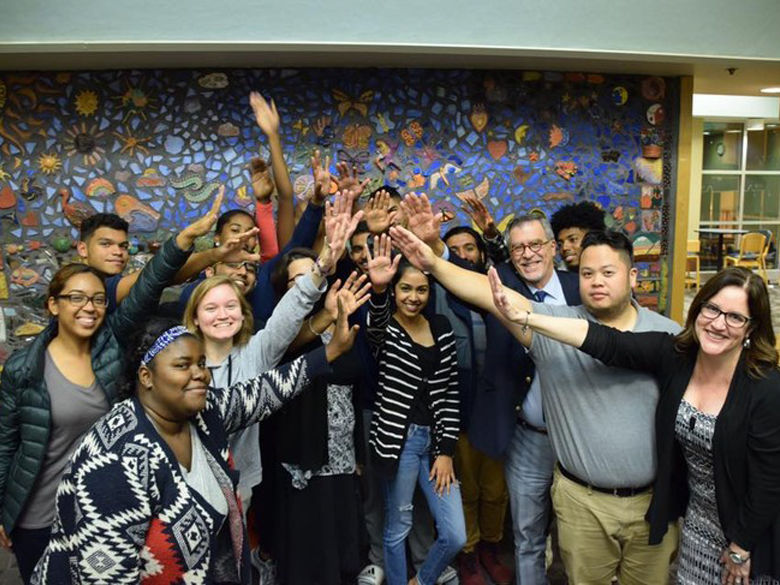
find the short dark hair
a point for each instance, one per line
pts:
(618, 241)
(362, 228)
(225, 217)
(585, 214)
(99, 220)
(464, 229)
(279, 274)
(392, 191)
(405, 265)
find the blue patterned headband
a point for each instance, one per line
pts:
(168, 336)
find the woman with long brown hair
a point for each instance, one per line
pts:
(717, 422)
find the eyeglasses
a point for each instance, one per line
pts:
(712, 312)
(250, 266)
(519, 249)
(98, 300)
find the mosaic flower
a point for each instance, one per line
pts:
(135, 101)
(49, 163)
(86, 102)
(85, 141)
(130, 143)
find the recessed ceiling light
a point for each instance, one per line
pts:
(771, 90)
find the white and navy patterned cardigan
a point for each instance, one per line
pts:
(125, 514)
(401, 380)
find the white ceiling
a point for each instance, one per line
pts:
(711, 75)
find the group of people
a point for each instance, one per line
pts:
(336, 395)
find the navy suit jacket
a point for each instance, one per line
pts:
(506, 378)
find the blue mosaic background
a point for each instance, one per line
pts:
(154, 145)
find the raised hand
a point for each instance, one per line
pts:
(262, 182)
(378, 212)
(350, 184)
(321, 176)
(381, 267)
(501, 299)
(340, 224)
(245, 243)
(266, 116)
(413, 248)
(343, 335)
(422, 222)
(202, 226)
(353, 294)
(480, 214)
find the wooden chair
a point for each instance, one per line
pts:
(753, 248)
(692, 264)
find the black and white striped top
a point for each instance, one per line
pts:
(401, 381)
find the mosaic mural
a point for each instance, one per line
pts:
(153, 146)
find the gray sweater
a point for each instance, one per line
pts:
(263, 352)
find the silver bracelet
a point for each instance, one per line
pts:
(525, 325)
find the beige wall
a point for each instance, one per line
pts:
(694, 202)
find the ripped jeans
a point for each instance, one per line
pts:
(414, 467)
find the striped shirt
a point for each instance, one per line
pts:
(401, 381)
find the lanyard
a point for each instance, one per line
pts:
(230, 370)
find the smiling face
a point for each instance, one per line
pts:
(358, 251)
(175, 384)
(218, 315)
(716, 336)
(535, 268)
(606, 281)
(237, 224)
(244, 274)
(569, 240)
(106, 250)
(411, 293)
(81, 322)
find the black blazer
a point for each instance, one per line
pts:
(746, 443)
(506, 378)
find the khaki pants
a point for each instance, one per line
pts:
(601, 536)
(483, 491)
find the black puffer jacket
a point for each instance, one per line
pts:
(25, 417)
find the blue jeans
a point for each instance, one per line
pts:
(529, 469)
(414, 467)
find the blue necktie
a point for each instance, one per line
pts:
(539, 296)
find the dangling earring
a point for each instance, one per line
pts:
(746, 343)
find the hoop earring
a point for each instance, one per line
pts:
(746, 343)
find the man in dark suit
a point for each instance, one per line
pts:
(506, 418)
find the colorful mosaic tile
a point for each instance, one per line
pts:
(154, 145)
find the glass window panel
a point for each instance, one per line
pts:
(722, 146)
(763, 151)
(720, 198)
(762, 198)
(771, 258)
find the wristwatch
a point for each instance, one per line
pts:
(737, 558)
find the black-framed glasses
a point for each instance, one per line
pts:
(519, 249)
(250, 266)
(99, 300)
(712, 312)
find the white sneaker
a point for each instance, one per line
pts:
(371, 575)
(448, 576)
